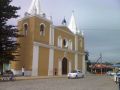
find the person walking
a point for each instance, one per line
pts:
(23, 71)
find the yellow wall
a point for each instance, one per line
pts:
(37, 36)
(64, 33)
(33, 35)
(71, 56)
(80, 62)
(81, 44)
(59, 55)
(26, 45)
(43, 61)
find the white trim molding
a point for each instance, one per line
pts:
(35, 60)
(59, 41)
(76, 43)
(76, 52)
(59, 67)
(51, 35)
(56, 48)
(76, 61)
(70, 66)
(83, 64)
(51, 62)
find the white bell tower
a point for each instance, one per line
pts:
(35, 8)
(72, 24)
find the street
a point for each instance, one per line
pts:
(90, 82)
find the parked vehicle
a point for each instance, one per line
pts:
(116, 77)
(110, 73)
(75, 74)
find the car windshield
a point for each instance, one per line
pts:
(74, 71)
(118, 74)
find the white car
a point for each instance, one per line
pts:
(75, 74)
(116, 77)
(110, 73)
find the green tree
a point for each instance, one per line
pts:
(88, 63)
(8, 33)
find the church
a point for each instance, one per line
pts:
(47, 49)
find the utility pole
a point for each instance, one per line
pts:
(101, 62)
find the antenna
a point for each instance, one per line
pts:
(101, 62)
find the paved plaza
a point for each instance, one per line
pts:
(90, 82)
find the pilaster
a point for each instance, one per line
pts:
(35, 60)
(83, 64)
(76, 50)
(60, 67)
(51, 51)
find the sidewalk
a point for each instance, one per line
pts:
(37, 77)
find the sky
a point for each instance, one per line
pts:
(98, 19)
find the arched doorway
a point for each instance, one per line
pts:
(64, 66)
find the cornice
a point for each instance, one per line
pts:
(57, 48)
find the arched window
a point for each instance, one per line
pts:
(60, 41)
(42, 29)
(25, 29)
(65, 42)
(70, 44)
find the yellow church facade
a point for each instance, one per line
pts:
(47, 49)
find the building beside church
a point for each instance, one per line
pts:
(47, 49)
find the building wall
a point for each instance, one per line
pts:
(26, 45)
(37, 37)
(80, 61)
(64, 33)
(59, 55)
(81, 55)
(43, 61)
(71, 57)
(33, 35)
(81, 44)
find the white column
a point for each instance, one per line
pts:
(35, 60)
(51, 35)
(76, 42)
(51, 62)
(76, 61)
(70, 66)
(83, 64)
(76, 54)
(51, 51)
(60, 68)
